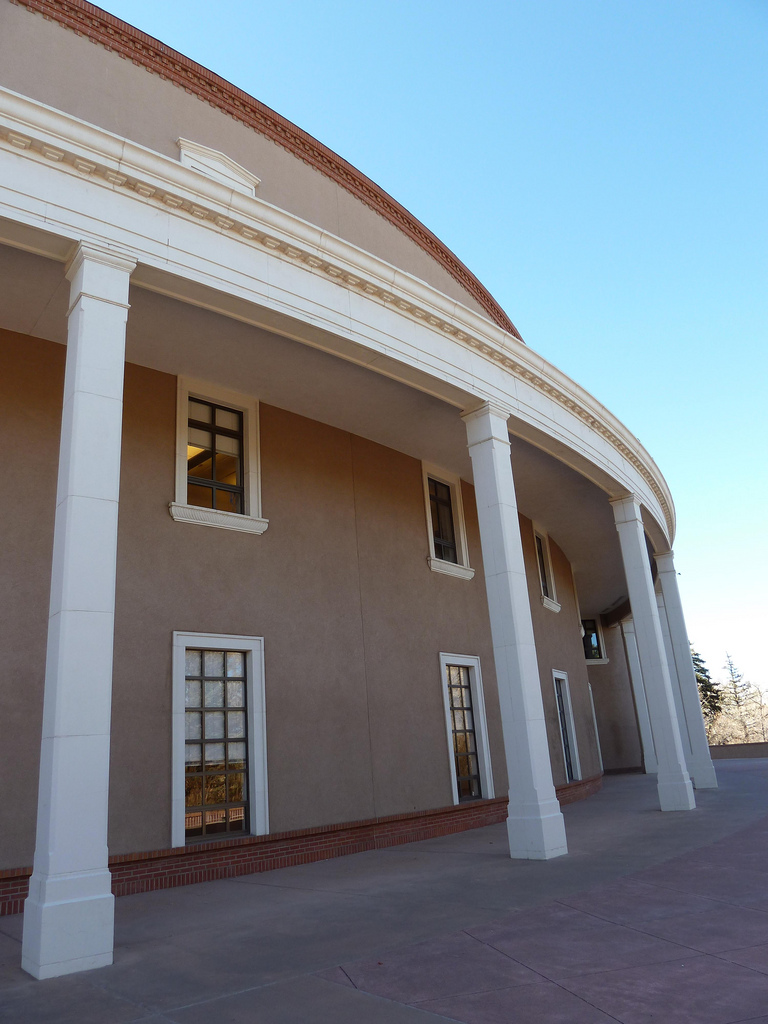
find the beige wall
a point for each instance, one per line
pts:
(615, 707)
(45, 61)
(559, 648)
(339, 587)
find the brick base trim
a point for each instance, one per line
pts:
(206, 862)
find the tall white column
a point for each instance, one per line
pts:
(68, 916)
(638, 691)
(535, 824)
(674, 784)
(699, 759)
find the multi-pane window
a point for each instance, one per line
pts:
(215, 457)
(593, 650)
(463, 732)
(216, 743)
(441, 510)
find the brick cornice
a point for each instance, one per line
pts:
(101, 27)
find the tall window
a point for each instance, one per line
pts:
(214, 456)
(467, 732)
(441, 510)
(463, 730)
(567, 728)
(219, 769)
(216, 743)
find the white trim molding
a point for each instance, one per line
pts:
(461, 568)
(217, 166)
(258, 797)
(481, 727)
(251, 521)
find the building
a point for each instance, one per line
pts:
(377, 565)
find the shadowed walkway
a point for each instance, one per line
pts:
(650, 918)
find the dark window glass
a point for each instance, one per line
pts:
(463, 728)
(564, 729)
(442, 521)
(591, 640)
(543, 574)
(215, 457)
(216, 743)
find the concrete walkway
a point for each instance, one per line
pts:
(651, 917)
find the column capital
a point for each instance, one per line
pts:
(626, 509)
(98, 254)
(487, 421)
(665, 561)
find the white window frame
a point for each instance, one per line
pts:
(258, 796)
(570, 722)
(549, 602)
(250, 521)
(481, 725)
(461, 568)
(601, 639)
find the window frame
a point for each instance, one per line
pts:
(250, 519)
(558, 674)
(549, 601)
(258, 796)
(461, 568)
(471, 662)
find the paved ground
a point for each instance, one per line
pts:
(651, 918)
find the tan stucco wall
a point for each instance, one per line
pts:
(43, 60)
(615, 706)
(31, 380)
(559, 648)
(339, 587)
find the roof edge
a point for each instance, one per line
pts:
(112, 33)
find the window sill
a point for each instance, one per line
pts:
(219, 520)
(462, 572)
(597, 661)
(549, 603)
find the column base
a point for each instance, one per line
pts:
(676, 794)
(703, 774)
(537, 837)
(69, 936)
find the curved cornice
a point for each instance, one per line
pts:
(101, 27)
(86, 151)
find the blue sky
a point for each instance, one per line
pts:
(602, 166)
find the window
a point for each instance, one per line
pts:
(567, 728)
(219, 740)
(592, 638)
(467, 732)
(546, 576)
(445, 524)
(217, 467)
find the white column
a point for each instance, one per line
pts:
(700, 761)
(535, 824)
(638, 691)
(674, 784)
(68, 916)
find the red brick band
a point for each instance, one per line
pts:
(101, 27)
(206, 862)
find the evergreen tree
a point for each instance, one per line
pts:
(710, 694)
(739, 698)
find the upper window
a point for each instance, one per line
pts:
(469, 753)
(219, 739)
(546, 576)
(592, 638)
(217, 458)
(445, 523)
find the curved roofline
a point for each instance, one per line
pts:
(114, 34)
